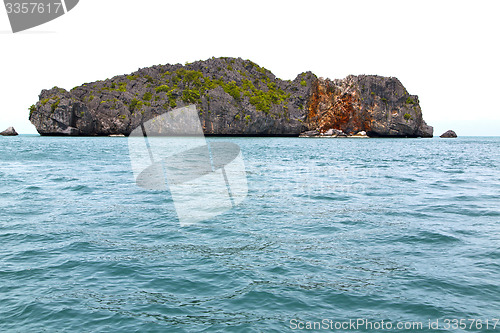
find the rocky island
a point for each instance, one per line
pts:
(449, 134)
(9, 132)
(233, 97)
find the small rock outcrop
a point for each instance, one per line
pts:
(233, 97)
(449, 134)
(9, 132)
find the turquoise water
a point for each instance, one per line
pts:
(338, 229)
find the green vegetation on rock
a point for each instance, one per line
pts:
(54, 105)
(192, 85)
(123, 87)
(135, 104)
(162, 88)
(173, 103)
(232, 89)
(190, 96)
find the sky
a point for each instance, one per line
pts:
(446, 52)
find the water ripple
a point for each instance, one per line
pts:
(381, 229)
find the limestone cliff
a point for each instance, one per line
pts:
(234, 97)
(378, 105)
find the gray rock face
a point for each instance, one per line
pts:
(9, 132)
(309, 134)
(233, 97)
(449, 134)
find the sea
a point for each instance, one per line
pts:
(344, 235)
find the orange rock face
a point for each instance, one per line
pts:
(380, 106)
(337, 107)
